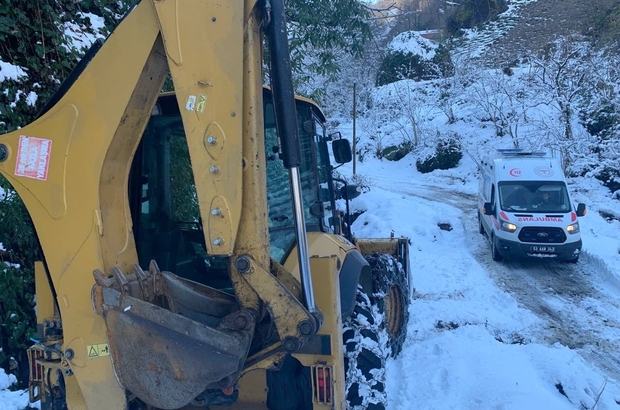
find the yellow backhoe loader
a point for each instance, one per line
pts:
(193, 255)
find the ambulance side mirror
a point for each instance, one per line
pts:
(581, 209)
(487, 209)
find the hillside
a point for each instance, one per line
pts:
(542, 21)
(524, 28)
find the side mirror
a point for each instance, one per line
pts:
(487, 208)
(342, 151)
(581, 209)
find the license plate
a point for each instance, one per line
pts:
(546, 249)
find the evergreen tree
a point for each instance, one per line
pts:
(43, 40)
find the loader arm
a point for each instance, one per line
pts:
(133, 335)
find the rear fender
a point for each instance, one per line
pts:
(355, 270)
(397, 247)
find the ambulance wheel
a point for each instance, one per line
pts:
(480, 226)
(365, 354)
(494, 252)
(574, 260)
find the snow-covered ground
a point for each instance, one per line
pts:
(11, 400)
(489, 335)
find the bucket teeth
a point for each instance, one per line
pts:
(171, 339)
(145, 282)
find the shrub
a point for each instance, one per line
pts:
(610, 178)
(601, 122)
(397, 152)
(17, 318)
(400, 65)
(447, 155)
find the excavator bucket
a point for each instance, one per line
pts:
(171, 339)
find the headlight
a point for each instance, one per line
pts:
(508, 227)
(574, 228)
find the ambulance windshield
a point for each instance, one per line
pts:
(534, 197)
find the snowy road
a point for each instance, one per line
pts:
(569, 299)
(578, 306)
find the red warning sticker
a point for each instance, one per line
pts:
(33, 157)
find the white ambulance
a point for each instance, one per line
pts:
(525, 209)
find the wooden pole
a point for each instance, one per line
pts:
(354, 117)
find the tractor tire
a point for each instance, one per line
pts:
(55, 397)
(390, 294)
(375, 332)
(364, 358)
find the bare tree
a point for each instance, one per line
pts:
(562, 70)
(452, 88)
(410, 108)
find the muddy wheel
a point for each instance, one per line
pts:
(365, 355)
(494, 252)
(574, 260)
(480, 226)
(390, 294)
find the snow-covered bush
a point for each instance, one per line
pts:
(11, 398)
(397, 152)
(16, 316)
(447, 154)
(18, 251)
(44, 40)
(410, 56)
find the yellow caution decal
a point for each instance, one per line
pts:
(99, 350)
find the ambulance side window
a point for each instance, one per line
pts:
(486, 192)
(492, 199)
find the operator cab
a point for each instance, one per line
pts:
(164, 204)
